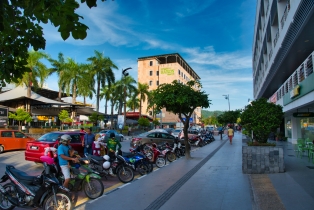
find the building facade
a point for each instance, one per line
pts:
(283, 46)
(160, 69)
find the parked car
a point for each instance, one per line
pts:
(192, 135)
(152, 137)
(176, 132)
(35, 149)
(106, 135)
(13, 140)
(169, 130)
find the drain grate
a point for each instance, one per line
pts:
(310, 167)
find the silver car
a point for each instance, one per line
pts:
(105, 134)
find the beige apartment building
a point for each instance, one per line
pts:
(160, 69)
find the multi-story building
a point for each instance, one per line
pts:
(283, 56)
(160, 69)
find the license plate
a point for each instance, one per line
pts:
(34, 147)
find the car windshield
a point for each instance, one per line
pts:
(177, 131)
(49, 137)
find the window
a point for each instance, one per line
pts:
(150, 83)
(178, 81)
(75, 138)
(150, 63)
(18, 134)
(179, 72)
(152, 135)
(150, 73)
(6, 134)
(157, 73)
(157, 82)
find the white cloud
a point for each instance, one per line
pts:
(227, 60)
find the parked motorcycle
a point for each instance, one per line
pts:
(166, 150)
(24, 191)
(178, 149)
(119, 166)
(154, 155)
(139, 159)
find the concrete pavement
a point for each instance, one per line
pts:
(213, 179)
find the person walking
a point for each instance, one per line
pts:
(129, 131)
(64, 152)
(230, 134)
(89, 138)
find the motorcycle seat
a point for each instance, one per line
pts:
(21, 175)
(128, 154)
(98, 158)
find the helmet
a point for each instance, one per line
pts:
(65, 138)
(106, 165)
(112, 135)
(106, 157)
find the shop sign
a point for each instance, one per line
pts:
(295, 92)
(167, 71)
(3, 122)
(303, 114)
(3, 112)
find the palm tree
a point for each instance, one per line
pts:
(113, 96)
(133, 102)
(105, 93)
(37, 68)
(58, 67)
(102, 69)
(86, 83)
(143, 92)
(73, 72)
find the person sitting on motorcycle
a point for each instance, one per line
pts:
(112, 148)
(64, 151)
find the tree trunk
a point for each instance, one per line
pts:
(186, 137)
(74, 94)
(112, 105)
(124, 111)
(106, 106)
(97, 93)
(84, 100)
(59, 94)
(140, 108)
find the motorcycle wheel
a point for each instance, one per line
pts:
(142, 169)
(160, 162)
(171, 156)
(5, 204)
(63, 202)
(182, 151)
(94, 188)
(178, 153)
(150, 167)
(125, 174)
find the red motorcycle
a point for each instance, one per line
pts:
(154, 155)
(167, 151)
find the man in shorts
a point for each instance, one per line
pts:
(64, 156)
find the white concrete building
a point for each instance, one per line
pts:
(283, 53)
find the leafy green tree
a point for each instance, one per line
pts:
(102, 69)
(20, 116)
(95, 117)
(142, 121)
(105, 93)
(64, 117)
(181, 99)
(134, 102)
(156, 122)
(20, 29)
(229, 117)
(262, 118)
(143, 92)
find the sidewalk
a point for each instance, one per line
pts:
(213, 179)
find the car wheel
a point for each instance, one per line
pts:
(1, 149)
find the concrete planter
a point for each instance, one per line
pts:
(262, 160)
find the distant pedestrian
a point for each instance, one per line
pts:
(230, 134)
(89, 138)
(129, 131)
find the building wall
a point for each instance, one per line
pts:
(153, 74)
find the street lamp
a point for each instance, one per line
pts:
(227, 97)
(125, 73)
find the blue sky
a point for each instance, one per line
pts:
(213, 36)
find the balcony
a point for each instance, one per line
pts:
(285, 14)
(276, 38)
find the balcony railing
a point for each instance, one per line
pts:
(285, 14)
(270, 54)
(276, 37)
(296, 76)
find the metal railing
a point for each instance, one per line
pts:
(285, 14)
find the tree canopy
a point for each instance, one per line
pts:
(262, 118)
(20, 116)
(181, 99)
(20, 29)
(229, 117)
